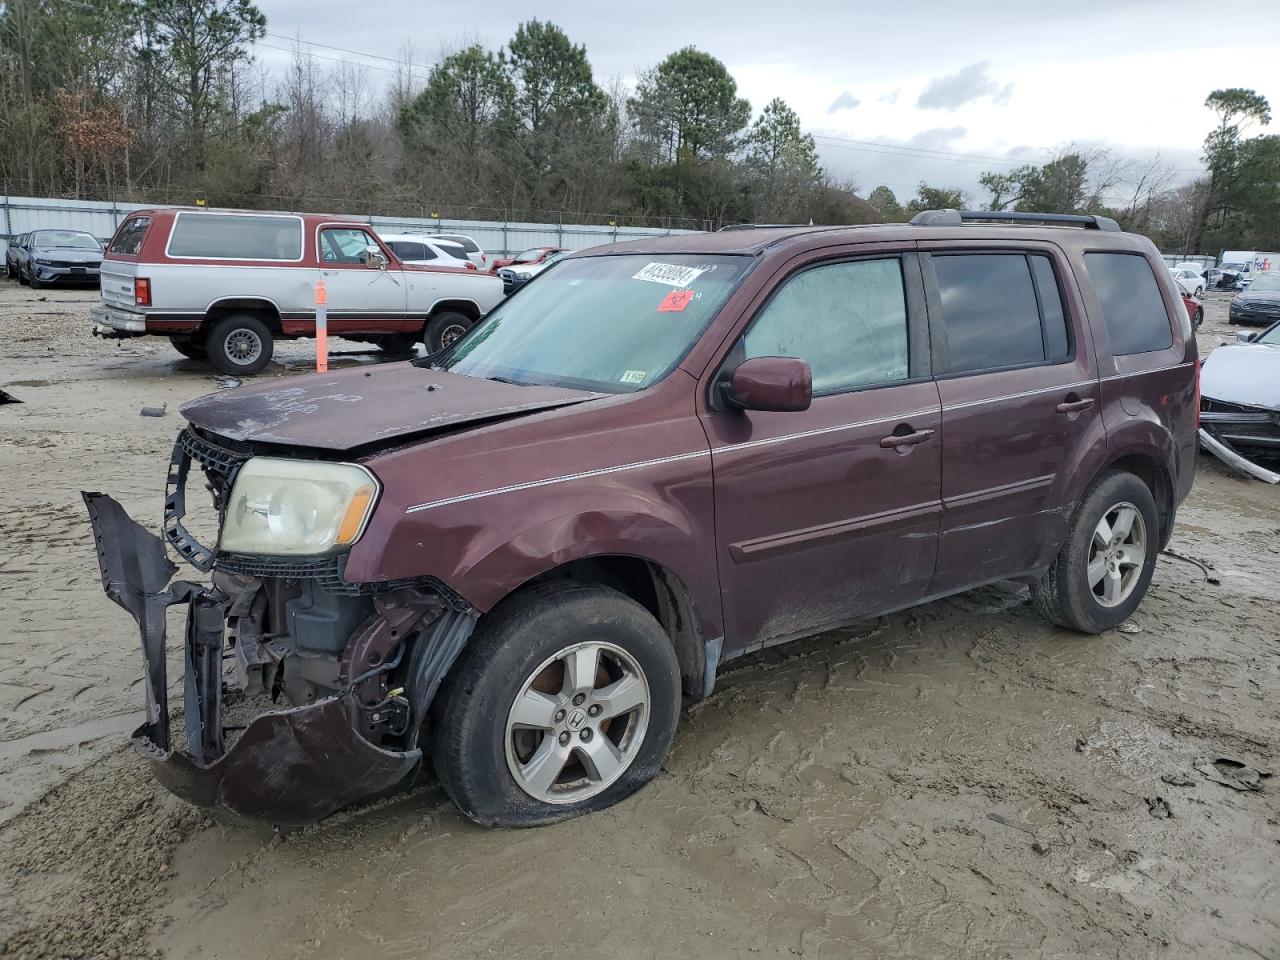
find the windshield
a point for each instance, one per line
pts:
(613, 323)
(1265, 282)
(66, 238)
(530, 255)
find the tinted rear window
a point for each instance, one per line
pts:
(226, 237)
(996, 314)
(408, 250)
(128, 239)
(1131, 302)
(466, 243)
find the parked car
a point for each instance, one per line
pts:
(1259, 303)
(1189, 280)
(474, 253)
(11, 255)
(412, 248)
(1195, 309)
(527, 257)
(513, 560)
(518, 275)
(49, 256)
(1240, 403)
(225, 285)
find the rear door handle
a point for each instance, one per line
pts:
(1074, 406)
(895, 440)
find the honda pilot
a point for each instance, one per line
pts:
(513, 561)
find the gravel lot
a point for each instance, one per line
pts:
(959, 780)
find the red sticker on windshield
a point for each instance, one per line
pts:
(675, 301)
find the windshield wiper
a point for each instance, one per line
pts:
(517, 383)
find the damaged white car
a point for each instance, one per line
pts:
(1240, 403)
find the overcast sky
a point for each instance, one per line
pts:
(1003, 80)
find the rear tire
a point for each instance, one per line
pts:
(240, 345)
(1104, 569)
(191, 347)
(600, 680)
(1197, 318)
(444, 328)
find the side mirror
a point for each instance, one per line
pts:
(1244, 336)
(373, 259)
(779, 384)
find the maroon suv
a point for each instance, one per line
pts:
(512, 560)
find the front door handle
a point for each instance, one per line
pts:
(895, 440)
(1069, 406)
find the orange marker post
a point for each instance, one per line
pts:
(322, 328)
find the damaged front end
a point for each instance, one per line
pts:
(356, 664)
(1241, 435)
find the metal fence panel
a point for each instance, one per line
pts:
(22, 214)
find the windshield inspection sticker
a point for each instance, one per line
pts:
(676, 301)
(634, 376)
(673, 275)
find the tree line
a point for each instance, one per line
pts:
(1236, 204)
(164, 101)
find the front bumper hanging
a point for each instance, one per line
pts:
(289, 767)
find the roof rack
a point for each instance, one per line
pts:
(760, 226)
(954, 218)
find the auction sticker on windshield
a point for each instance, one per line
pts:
(673, 275)
(676, 301)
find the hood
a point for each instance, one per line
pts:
(366, 406)
(68, 254)
(1250, 295)
(1245, 373)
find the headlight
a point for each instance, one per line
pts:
(297, 507)
(43, 262)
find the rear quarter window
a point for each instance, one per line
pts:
(226, 237)
(1131, 303)
(128, 239)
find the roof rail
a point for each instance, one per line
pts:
(954, 218)
(759, 226)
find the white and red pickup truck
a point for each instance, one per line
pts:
(224, 285)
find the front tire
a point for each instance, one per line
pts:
(240, 345)
(1104, 569)
(565, 702)
(444, 328)
(1197, 318)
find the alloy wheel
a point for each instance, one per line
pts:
(243, 347)
(451, 333)
(1117, 554)
(577, 723)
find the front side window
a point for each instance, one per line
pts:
(128, 239)
(848, 320)
(1131, 303)
(615, 324)
(218, 236)
(344, 245)
(1000, 310)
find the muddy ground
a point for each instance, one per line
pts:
(960, 780)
